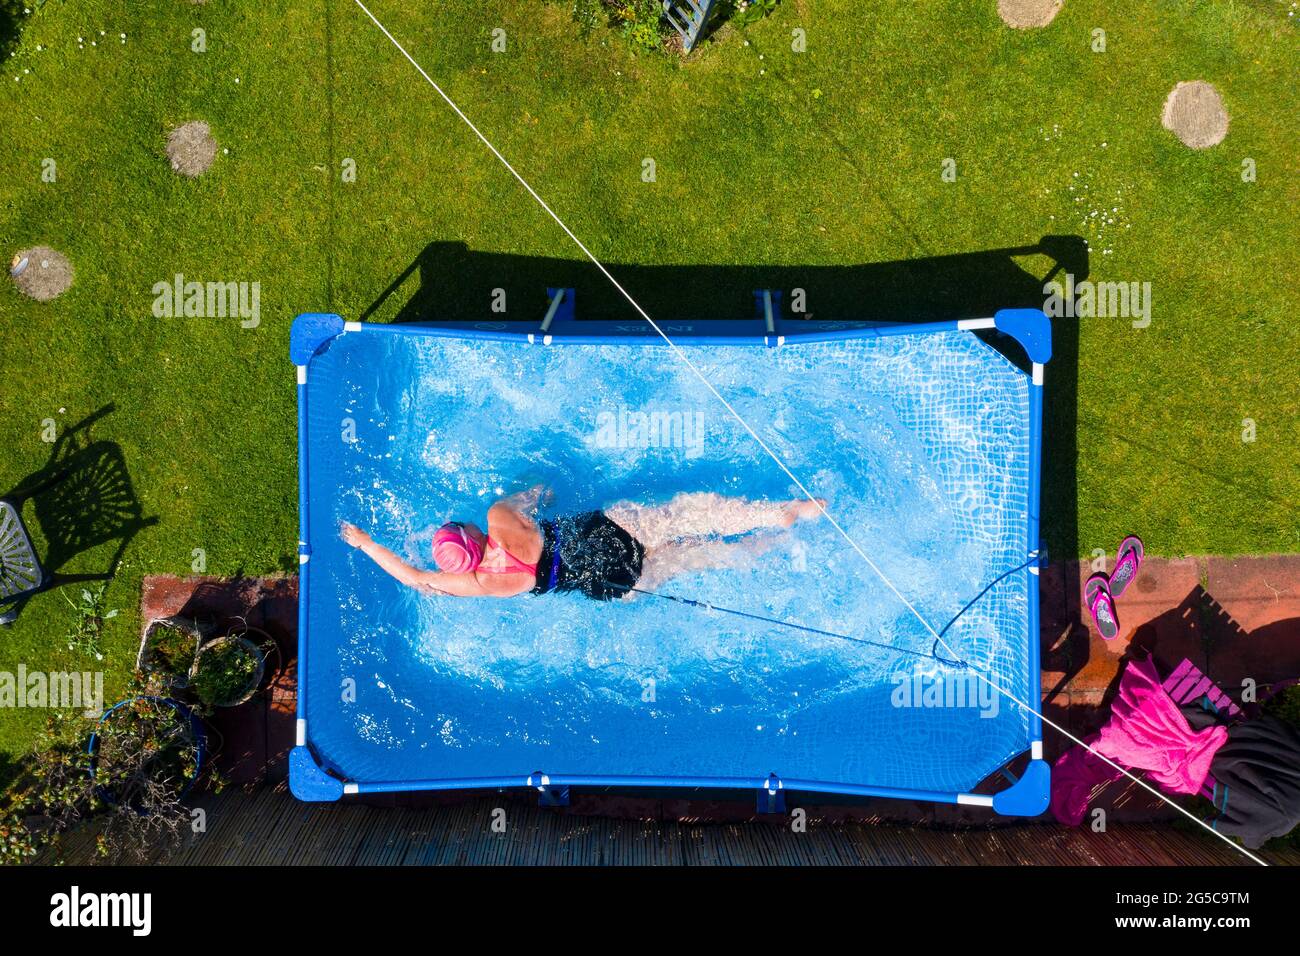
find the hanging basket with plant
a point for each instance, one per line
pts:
(228, 670)
(168, 651)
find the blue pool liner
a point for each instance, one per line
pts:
(312, 334)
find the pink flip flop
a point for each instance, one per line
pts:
(1097, 597)
(1128, 561)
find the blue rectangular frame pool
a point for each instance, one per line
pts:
(315, 779)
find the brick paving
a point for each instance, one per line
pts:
(252, 741)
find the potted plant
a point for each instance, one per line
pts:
(143, 757)
(168, 651)
(228, 670)
(146, 752)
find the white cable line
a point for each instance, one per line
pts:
(671, 344)
(762, 444)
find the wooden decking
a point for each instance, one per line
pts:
(268, 826)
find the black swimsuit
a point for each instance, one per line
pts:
(589, 553)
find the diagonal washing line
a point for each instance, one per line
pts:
(677, 351)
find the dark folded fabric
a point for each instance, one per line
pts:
(1256, 777)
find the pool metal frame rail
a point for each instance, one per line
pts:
(313, 331)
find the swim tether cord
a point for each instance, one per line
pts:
(933, 654)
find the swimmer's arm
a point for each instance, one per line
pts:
(431, 582)
(450, 585)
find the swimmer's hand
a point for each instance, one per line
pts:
(429, 582)
(353, 535)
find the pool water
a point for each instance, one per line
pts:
(919, 443)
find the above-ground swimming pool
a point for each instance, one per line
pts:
(809, 671)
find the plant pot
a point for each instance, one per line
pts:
(187, 732)
(243, 663)
(266, 644)
(166, 657)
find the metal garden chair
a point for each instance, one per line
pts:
(688, 18)
(20, 570)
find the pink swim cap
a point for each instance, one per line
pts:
(454, 550)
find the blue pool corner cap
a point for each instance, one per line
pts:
(308, 781)
(1028, 796)
(1031, 328)
(310, 331)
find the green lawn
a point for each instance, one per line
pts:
(765, 158)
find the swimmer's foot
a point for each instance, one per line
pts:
(801, 508)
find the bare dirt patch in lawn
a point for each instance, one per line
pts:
(41, 273)
(191, 148)
(1194, 113)
(1025, 14)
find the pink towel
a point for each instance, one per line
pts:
(1074, 777)
(1146, 731)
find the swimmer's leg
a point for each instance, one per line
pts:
(666, 561)
(697, 514)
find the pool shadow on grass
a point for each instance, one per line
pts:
(450, 282)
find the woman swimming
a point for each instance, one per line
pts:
(603, 554)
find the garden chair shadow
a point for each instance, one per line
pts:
(82, 499)
(1201, 629)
